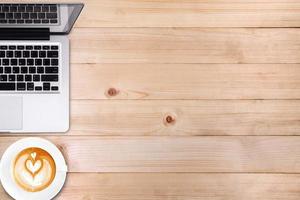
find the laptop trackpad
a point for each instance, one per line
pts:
(11, 113)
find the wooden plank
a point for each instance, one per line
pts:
(191, 117)
(188, 13)
(178, 154)
(182, 186)
(186, 81)
(185, 45)
(161, 186)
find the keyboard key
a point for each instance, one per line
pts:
(38, 62)
(45, 8)
(28, 21)
(54, 88)
(37, 9)
(53, 21)
(29, 8)
(37, 47)
(11, 78)
(13, 9)
(21, 86)
(18, 54)
(14, 62)
(52, 54)
(51, 15)
(12, 21)
(3, 77)
(33, 15)
(40, 70)
(37, 21)
(21, 8)
(36, 78)
(32, 70)
(5, 8)
(24, 70)
(2, 54)
(51, 70)
(30, 62)
(46, 47)
(46, 86)
(25, 15)
(53, 8)
(5, 62)
(22, 61)
(49, 78)
(41, 15)
(16, 70)
(7, 86)
(28, 77)
(26, 54)
(30, 86)
(17, 15)
(46, 62)
(38, 88)
(54, 62)
(20, 21)
(9, 54)
(29, 47)
(34, 54)
(7, 70)
(20, 78)
(42, 54)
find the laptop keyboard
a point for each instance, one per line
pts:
(28, 14)
(29, 68)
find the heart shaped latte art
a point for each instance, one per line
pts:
(34, 169)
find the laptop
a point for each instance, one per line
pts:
(34, 66)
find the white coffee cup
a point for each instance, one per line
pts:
(8, 179)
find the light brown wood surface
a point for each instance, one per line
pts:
(186, 81)
(182, 100)
(178, 154)
(191, 117)
(185, 45)
(161, 186)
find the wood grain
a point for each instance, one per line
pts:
(191, 186)
(185, 45)
(191, 117)
(178, 154)
(187, 13)
(182, 186)
(186, 81)
(178, 99)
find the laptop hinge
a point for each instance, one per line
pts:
(24, 34)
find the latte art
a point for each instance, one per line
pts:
(34, 169)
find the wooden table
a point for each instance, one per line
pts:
(183, 99)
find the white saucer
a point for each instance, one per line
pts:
(7, 179)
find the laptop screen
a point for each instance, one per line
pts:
(59, 18)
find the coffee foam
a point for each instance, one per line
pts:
(34, 169)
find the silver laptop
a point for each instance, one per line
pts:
(34, 66)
